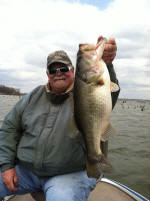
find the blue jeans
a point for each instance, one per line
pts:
(68, 187)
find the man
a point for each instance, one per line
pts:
(37, 151)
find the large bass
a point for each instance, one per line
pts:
(92, 103)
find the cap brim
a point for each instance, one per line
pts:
(59, 61)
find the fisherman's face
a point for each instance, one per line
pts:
(60, 80)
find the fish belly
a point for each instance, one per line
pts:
(92, 107)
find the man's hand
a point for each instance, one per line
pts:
(109, 51)
(10, 179)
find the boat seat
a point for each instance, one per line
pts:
(38, 196)
(107, 192)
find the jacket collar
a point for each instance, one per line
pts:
(58, 98)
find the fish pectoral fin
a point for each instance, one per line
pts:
(109, 132)
(114, 87)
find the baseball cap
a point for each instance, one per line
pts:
(58, 56)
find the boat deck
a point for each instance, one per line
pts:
(26, 197)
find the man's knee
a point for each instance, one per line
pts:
(66, 192)
(65, 195)
(55, 195)
(69, 187)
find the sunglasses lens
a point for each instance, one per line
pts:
(64, 69)
(52, 71)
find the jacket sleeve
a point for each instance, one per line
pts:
(113, 78)
(10, 133)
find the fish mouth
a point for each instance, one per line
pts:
(103, 40)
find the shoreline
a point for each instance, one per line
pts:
(1, 94)
(119, 99)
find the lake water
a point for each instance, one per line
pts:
(129, 148)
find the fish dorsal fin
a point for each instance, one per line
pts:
(114, 87)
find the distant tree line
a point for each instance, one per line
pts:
(9, 90)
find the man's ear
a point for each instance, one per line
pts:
(47, 72)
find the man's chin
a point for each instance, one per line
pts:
(60, 87)
(59, 84)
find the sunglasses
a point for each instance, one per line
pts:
(65, 69)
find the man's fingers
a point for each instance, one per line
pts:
(11, 186)
(109, 54)
(111, 41)
(110, 48)
(15, 180)
(10, 179)
(110, 45)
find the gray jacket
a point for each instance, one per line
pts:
(37, 134)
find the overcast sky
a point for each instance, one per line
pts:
(31, 29)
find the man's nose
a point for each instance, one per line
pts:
(58, 73)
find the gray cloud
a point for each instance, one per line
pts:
(133, 44)
(36, 60)
(26, 40)
(25, 85)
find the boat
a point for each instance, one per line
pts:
(110, 190)
(105, 190)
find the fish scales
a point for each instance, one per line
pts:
(92, 104)
(91, 109)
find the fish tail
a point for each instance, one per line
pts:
(96, 167)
